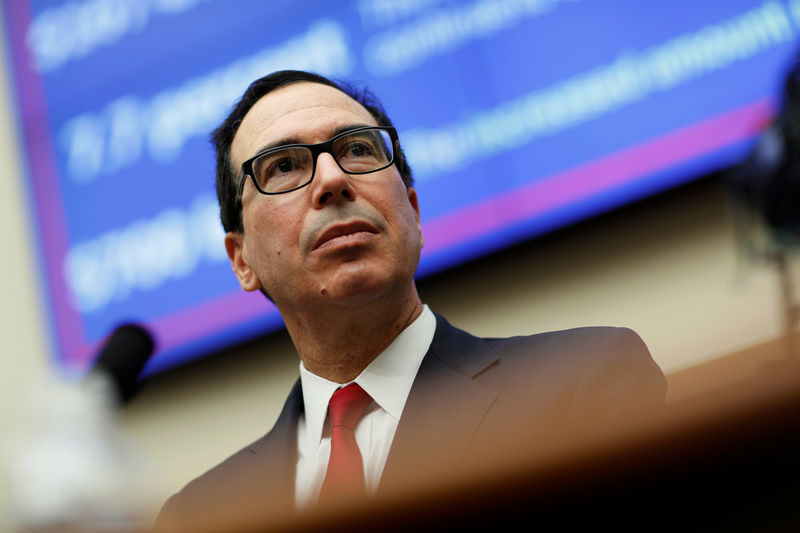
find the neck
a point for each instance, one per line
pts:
(338, 343)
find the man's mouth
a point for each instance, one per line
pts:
(343, 233)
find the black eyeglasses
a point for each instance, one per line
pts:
(287, 168)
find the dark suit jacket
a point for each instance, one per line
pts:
(473, 398)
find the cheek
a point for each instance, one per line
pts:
(257, 238)
(405, 214)
(275, 232)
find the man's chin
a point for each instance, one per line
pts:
(358, 285)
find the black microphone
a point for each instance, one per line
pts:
(123, 357)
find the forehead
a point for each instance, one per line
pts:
(304, 112)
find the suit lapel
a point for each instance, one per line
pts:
(253, 486)
(444, 408)
(277, 451)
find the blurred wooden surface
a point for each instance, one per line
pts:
(732, 370)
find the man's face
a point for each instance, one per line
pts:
(343, 239)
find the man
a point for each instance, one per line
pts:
(321, 216)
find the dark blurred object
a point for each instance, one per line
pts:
(765, 193)
(767, 183)
(123, 357)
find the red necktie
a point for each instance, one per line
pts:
(344, 478)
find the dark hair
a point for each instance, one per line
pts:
(230, 205)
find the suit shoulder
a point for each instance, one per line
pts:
(588, 375)
(224, 492)
(593, 333)
(602, 354)
(227, 467)
(204, 489)
(576, 348)
(592, 342)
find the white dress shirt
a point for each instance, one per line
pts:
(387, 379)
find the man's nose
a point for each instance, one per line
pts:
(331, 184)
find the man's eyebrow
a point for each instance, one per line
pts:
(295, 140)
(349, 127)
(281, 142)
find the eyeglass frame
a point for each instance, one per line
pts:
(317, 149)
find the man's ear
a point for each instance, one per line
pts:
(234, 245)
(412, 199)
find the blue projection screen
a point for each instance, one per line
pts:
(517, 117)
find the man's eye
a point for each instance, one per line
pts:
(282, 167)
(358, 149)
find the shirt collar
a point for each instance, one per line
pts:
(387, 379)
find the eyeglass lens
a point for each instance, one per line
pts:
(359, 152)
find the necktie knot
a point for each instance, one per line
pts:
(347, 405)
